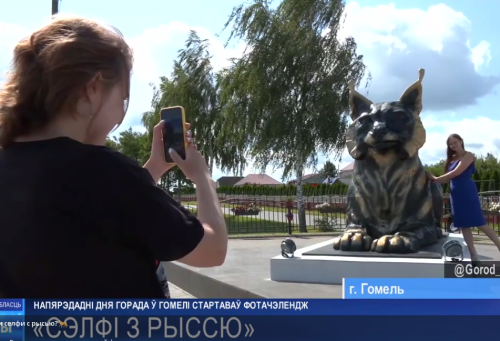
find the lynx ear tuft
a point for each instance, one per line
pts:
(412, 97)
(359, 103)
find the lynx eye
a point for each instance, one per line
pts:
(364, 118)
(398, 116)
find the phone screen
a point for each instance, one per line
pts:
(173, 132)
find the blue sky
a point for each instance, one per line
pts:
(455, 41)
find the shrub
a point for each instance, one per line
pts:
(285, 190)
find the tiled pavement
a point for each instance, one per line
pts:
(176, 292)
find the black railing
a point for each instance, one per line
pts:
(263, 215)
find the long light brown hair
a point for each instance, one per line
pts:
(51, 68)
(449, 152)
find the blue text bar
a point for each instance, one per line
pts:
(422, 288)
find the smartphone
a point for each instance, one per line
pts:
(174, 131)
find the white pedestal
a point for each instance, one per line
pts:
(331, 269)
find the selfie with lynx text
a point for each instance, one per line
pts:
(260, 169)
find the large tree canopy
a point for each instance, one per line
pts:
(194, 85)
(286, 99)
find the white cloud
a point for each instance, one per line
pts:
(154, 52)
(10, 34)
(481, 55)
(397, 42)
(154, 45)
(480, 136)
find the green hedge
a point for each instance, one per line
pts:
(188, 190)
(285, 190)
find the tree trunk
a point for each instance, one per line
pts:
(168, 182)
(179, 190)
(300, 195)
(211, 156)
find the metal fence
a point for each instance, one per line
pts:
(247, 214)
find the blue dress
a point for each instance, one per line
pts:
(464, 198)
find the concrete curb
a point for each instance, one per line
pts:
(201, 286)
(328, 234)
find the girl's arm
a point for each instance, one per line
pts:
(465, 162)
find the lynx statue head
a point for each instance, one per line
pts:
(389, 129)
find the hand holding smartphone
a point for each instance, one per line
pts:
(174, 132)
(189, 160)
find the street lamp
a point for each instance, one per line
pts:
(55, 7)
(288, 248)
(453, 249)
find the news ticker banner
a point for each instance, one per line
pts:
(290, 320)
(258, 328)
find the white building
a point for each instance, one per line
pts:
(347, 171)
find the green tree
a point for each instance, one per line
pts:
(112, 143)
(488, 162)
(485, 183)
(194, 85)
(496, 179)
(477, 180)
(436, 169)
(199, 89)
(134, 144)
(287, 97)
(329, 169)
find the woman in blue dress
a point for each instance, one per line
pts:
(464, 197)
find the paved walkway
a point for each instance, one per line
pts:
(176, 292)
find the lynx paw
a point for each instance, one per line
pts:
(395, 244)
(353, 240)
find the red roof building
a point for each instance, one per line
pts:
(347, 171)
(258, 179)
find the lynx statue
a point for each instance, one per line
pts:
(391, 205)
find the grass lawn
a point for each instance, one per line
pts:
(250, 226)
(245, 225)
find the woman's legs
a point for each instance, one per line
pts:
(490, 233)
(469, 240)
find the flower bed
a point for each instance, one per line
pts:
(246, 210)
(492, 213)
(331, 208)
